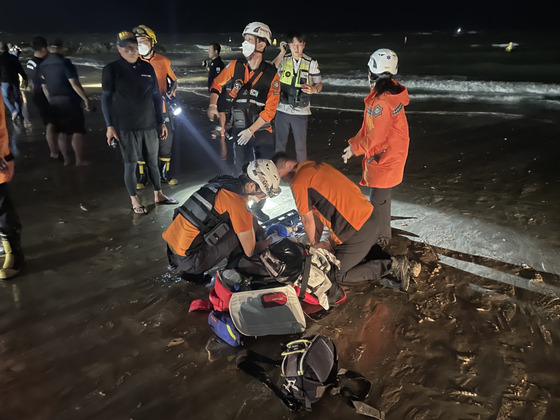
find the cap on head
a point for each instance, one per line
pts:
(144, 31)
(260, 30)
(265, 174)
(384, 60)
(126, 37)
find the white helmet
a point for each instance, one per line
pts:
(259, 29)
(265, 174)
(384, 60)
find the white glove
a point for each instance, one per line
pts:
(348, 153)
(244, 137)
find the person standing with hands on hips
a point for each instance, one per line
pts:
(383, 138)
(255, 95)
(132, 108)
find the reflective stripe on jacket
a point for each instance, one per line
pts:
(291, 81)
(383, 139)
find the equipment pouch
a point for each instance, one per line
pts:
(216, 233)
(239, 118)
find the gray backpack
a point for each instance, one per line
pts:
(310, 368)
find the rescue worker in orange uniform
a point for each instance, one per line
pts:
(167, 82)
(10, 226)
(325, 197)
(254, 98)
(214, 223)
(383, 139)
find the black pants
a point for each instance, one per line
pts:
(205, 256)
(135, 146)
(10, 226)
(353, 267)
(261, 146)
(165, 146)
(381, 200)
(283, 122)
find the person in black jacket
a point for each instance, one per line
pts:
(133, 112)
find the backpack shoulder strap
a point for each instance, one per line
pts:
(305, 274)
(354, 387)
(247, 361)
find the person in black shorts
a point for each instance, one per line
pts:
(215, 65)
(40, 52)
(133, 112)
(63, 90)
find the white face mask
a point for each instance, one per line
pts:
(143, 49)
(247, 48)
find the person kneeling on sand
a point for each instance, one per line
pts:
(131, 101)
(326, 197)
(200, 237)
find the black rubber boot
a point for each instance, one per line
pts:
(13, 257)
(141, 176)
(164, 165)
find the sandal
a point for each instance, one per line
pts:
(139, 210)
(169, 200)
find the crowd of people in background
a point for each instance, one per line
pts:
(256, 105)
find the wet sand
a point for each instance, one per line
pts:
(95, 326)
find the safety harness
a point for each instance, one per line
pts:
(199, 210)
(248, 99)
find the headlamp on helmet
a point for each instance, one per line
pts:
(144, 31)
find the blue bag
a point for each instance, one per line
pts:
(222, 325)
(277, 228)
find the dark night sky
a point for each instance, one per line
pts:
(184, 16)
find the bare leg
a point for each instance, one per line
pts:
(78, 144)
(51, 141)
(64, 147)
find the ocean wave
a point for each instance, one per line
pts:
(88, 62)
(515, 44)
(224, 48)
(436, 84)
(439, 96)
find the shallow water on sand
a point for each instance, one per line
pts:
(95, 327)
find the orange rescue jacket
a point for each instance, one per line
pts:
(383, 139)
(7, 173)
(162, 67)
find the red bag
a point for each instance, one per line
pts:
(220, 295)
(200, 305)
